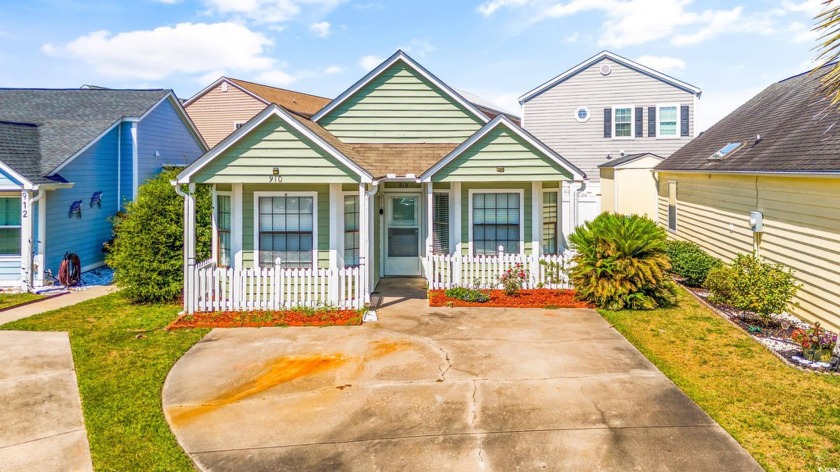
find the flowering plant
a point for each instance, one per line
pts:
(815, 337)
(513, 279)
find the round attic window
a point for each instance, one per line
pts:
(605, 69)
(582, 114)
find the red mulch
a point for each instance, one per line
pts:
(537, 298)
(259, 319)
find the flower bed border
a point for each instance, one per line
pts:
(354, 320)
(779, 356)
(456, 303)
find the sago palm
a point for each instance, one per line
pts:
(621, 263)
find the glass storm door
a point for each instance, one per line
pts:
(402, 240)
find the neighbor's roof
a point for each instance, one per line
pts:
(615, 58)
(628, 159)
(799, 133)
(67, 121)
(298, 102)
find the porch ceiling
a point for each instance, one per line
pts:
(399, 158)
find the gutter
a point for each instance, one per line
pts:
(828, 174)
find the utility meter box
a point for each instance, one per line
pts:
(756, 221)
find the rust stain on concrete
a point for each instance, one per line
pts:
(276, 372)
(385, 347)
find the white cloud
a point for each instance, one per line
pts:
(186, 48)
(419, 48)
(488, 8)
(715, 105)
(270, 11)
(369, 62)
(276, 77)
(802, 33)
(335, 69)
(662, 63)
(572, 38)
(321, 29)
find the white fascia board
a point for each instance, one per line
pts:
(577, 174)
(621, 60)
(215, 84)
(271, 110)
(24, 182)
(399, 56)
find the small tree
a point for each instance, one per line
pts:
(621, 263)
(148, 250)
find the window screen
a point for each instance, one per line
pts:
(223, 226)
(286, 231)
(549, 222)
(10, 226)
(441, 223)
(496, 222)
(351, 230)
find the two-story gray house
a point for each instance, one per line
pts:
(605, 109)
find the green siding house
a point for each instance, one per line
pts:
(397, 170)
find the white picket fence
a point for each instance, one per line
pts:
(273, 288)
(447, 271)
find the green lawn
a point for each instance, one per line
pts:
(122, 356)
(787, 419)
(8, 300)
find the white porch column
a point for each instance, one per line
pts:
(336, 213)
(365, 228)
(41, 256)
(536, 218)
(236, 224)
(214, 225)
(430, 225)
(455, 217)
(189, 247)
(26, 226)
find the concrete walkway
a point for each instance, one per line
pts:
(41, 415)
(438, 389)
(55, 303)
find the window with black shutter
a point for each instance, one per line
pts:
(607, 122)
(639, 123)
(651, 122)
(684, 120)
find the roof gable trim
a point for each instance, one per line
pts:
(400, 56)
(215, 84)
(614, 57)
(269, 111)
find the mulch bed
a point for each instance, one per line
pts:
(260, 319)
(536, 298)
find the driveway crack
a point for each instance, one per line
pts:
(474, 422)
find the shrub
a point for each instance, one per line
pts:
(751, 284)
(690, 262)
(621, 263)
(148, 249)
(467, 294)
(513, 279)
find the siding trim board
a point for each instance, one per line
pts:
(400, 56)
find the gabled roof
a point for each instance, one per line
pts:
(798, 128)
(401, 56)
(399, 159)
(321, 137)
(69, 121)
(298, 102)
(503, 120)
(628, 159)
(615, 58)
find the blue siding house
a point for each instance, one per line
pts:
(69, 161)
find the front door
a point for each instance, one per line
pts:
(402, 234)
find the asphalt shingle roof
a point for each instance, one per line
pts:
(66, 119)
(298, 102)
(798, 126)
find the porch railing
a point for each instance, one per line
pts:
(447, 271)
(273, 288)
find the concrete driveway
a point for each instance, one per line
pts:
(439, 389)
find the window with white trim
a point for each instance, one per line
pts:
(496, 222)
(286, 231)
(351, 230)
(223, 229)
(549, 222)
(440, 223)
(623, 122)
(10, 226)
(667, 118)
(672, 205)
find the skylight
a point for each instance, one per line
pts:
(725, 151)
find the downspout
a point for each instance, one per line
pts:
(575, 204)
(30, 253)
(374, 188)
(187, 244)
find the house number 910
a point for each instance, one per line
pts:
(275, 179)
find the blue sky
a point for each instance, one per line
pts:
(497, 49)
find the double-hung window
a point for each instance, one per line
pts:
(496, 221)
(351, 230)
(286, 230)
(9, 226)
(440, 220)
(223, 229)
(667, 121)
(623, 122)
(549, 222)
